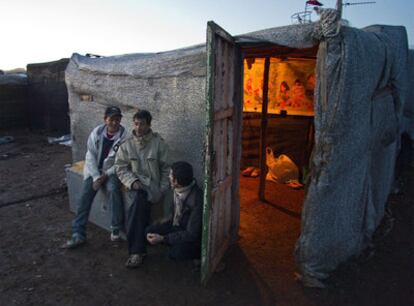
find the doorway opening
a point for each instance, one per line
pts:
(277, 130)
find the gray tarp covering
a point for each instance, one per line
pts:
(409, 105)
(359, 96)
(147, 65)
(171, 85)
(293, 36)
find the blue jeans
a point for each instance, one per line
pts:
(113, 189)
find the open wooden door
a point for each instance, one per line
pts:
(222, 160)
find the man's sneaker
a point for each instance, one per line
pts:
(72, 243)
(310, 282)
(135, 260)
(115, 235)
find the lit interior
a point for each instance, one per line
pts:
(270, 227)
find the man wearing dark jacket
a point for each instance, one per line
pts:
(182, 230)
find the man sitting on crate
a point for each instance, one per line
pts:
(142, 166)
(99, 172)
(182, 230)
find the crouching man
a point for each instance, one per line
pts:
(142, 166)
(182, 231)
(99, 172)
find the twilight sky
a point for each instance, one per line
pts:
(34, 31)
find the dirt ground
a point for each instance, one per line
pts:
(35, 221)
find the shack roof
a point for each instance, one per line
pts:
(13, 79)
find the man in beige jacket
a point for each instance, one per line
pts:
(142, 166)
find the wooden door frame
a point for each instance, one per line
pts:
(213, 29)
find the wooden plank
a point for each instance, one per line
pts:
(219, 31)
(218, 215)
(263, 167)
(219, 151)
(227, 210)
(215, 238)
(223, 114)
(208, 166)
(222, 185)
(225, 149)
(220, 252)
(279, 51)
(229, 66)
(226, 75)
(224, 82)
(220, 87)
(218, 81)
(236, 145)
(230, 150)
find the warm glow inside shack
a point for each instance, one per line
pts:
(290, 88)
(277, 132)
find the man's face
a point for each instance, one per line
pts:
(173, 181)
(141, 127)
(113, 124)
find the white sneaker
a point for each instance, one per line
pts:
(115, 236)
(135, 260)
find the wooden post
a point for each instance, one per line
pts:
(339, 8)
(263, 167)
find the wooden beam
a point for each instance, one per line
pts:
(223, 114)
(339, 6)
(262, 51)
(222, 185)
(263, 167)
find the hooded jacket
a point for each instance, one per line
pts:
(94, 152)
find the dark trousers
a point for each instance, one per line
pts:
(179, 251)
(139, 215)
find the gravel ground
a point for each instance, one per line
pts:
(35, 221)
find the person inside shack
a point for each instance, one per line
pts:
(298, 94)
(99, 172)
(284, 97)
(181, 231)
(142, 166)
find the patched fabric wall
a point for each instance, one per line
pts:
(359, 100)
(171, 85)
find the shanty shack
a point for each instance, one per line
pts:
(13, 97)
(322, 88)
(47, 96)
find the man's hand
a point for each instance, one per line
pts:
(154, 238)
(98, 183)
(136, 185)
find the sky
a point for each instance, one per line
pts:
(35, 31)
